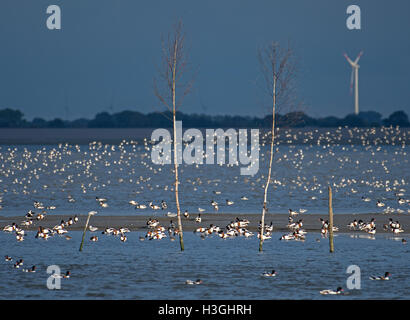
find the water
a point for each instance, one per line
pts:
(230, 269)
(120, 173)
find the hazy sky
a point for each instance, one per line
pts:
(104, 58)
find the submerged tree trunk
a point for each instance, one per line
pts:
(265, 196)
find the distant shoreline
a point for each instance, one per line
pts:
(305, 135)
(311, 222)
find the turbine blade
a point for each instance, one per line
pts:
(348, 59)
(358, 57)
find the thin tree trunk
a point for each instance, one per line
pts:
(331, 244)
(265, 196)
(85, 230)
(181, 238)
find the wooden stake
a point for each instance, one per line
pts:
(91, 213)
(331, 244)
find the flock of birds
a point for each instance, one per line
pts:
(370, 227)
(79, 174)
(368, 170)
(20, 262)
(42, 233)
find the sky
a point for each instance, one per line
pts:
(106, 55)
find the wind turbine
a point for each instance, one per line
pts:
(355, 71)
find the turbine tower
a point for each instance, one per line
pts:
(355, 73)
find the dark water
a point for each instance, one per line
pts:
(230, 269)
(120, 173)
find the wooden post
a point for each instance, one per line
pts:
(91, 213)
(331, 244)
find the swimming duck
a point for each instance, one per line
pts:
(394, 225)
(223, 235)
(108, 230)
(92, 229)
(154, 206)
(198, 219)
(293, 213)
(94, 238)
(270, 274)
(229, 202)
(32, 269)
(248, 234)
(385, 277)
(339, 290)
(352, 225)
(186, 214)
(266, 236)
(133, 202)
(380, 204)
(372, 231)
(200, 230)
(158, 236)
(27, 223)
(244, 198)
(152, 223)
(7, 258)
(30, 214)
(104, 204)
(163, 205)
(171, 214)
(18, 263)
(198, 281)
(397, 230)
(62, 276)
(100, 199)
(10, 228)
(61, 231)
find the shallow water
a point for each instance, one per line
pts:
(120, 173)
(230, 269)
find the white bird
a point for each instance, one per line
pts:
(380, 204)
(293, 213)
(92, 229)
(198, 281)
(171, 215)
(339, 290)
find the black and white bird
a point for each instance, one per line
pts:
(385, 277)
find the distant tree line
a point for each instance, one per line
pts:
(133, 119)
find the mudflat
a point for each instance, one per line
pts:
(311, 222)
